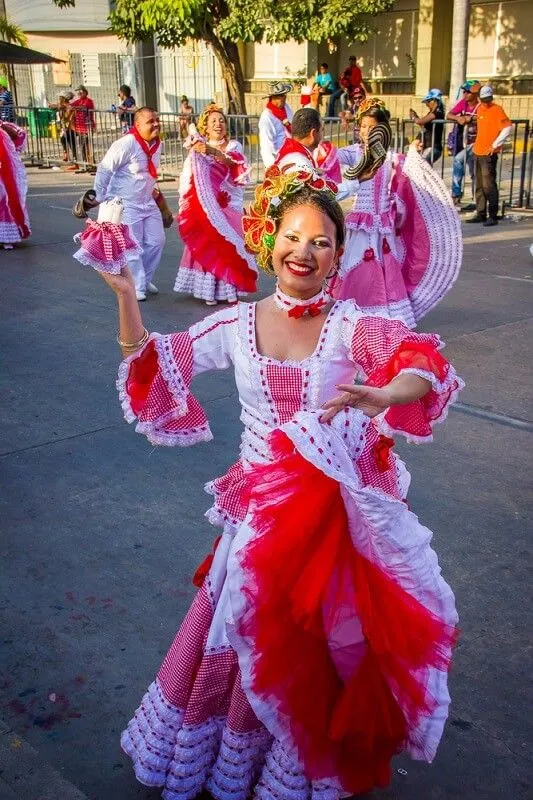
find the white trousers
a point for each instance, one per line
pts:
(150, 235)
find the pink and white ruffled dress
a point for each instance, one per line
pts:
(403, 246)
(14, 219)
(214, 264)
(319, 642)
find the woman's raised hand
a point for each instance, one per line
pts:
(121, 284)
(368, 399)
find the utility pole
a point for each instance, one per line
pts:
(461, 20)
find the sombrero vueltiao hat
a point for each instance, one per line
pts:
(278, 87)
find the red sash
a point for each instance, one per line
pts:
(291, 145)
(10, 182)
(281, 114)
(150, 148)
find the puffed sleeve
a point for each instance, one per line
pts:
(239, 169)
(154, 384)
(383, 349)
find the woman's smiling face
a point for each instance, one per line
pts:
(305, 251)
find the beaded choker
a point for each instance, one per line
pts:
(296, 308)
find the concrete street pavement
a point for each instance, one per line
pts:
(102, 531)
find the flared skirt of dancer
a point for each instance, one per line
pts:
(371, 273)
(194, 280)
(195, 729)
(9, 230)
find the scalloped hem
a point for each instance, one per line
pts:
(439, 386)
(188, 759)
(111, 267)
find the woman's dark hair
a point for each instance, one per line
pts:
(324, 65)
(125, 90)
(377, 113)
(324, 201)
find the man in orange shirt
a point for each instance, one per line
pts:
(493, 128)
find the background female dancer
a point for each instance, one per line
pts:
(319, 642)
(403, 236)
(214, 265)
(14, 220)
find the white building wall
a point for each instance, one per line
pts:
(43, 15)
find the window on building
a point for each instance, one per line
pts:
(90, 68)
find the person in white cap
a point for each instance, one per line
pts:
(493, 128)
(129, 170)
(274, 122)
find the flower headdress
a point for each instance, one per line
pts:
(366, 105)
(202, 119)
(260, 223)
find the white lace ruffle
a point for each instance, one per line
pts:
(189, 759)
(9, 233)
(204, 286)
(113, 267)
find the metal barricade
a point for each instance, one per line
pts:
(92, 132)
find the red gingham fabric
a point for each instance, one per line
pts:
(285, 384)
(157, 392)
(383, 348)
(204, 684)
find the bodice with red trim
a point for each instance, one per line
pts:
(154, 388)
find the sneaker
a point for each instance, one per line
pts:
(9, 246)
(490, 222)
(211, 303)
(476, 218)
(457, 202)
(152, 288)
(140, 296)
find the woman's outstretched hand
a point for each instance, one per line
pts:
(368, 399)
(121, 284)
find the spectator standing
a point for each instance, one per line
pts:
(84, 122)
(323, 84)
(493, 128)
(351, 82)
(433, 128)
(186, 113)
(127, 107)
(7, 109)
(463, 114)
(274, 122)
(65, 118)
(129, 170)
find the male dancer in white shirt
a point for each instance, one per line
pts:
(129, 170)
(274, 122)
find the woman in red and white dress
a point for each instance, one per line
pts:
(14, 220)
(215, 265)
(319, 641)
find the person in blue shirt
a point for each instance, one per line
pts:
(126, 108)
(7, 110)
(323, 85)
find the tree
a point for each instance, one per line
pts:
(222, 23)
(9, 32)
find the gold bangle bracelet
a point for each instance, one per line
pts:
(134, 345)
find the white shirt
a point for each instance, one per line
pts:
(272, 134)
(123, 172)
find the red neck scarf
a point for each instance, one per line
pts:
(281, 114)
(10, 182)
(150, 148)
(291, 145)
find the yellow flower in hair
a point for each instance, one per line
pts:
(366, 105)
(260, 224)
